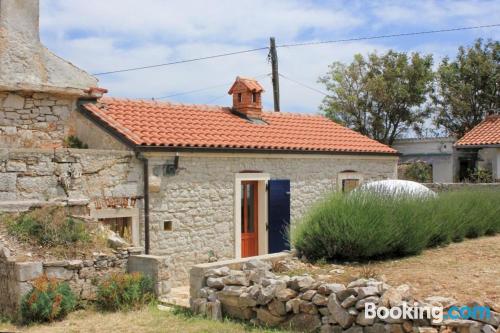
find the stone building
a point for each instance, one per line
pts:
(437, 152)
(193, 182)
(482, 146)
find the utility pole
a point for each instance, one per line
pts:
(273, 56)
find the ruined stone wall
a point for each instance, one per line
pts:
(199, 199)
(82, 275)
(72, 176)
(34, 120)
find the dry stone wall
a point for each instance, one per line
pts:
(34, 120)
(17, 276)
(303, 304)
(82, 275)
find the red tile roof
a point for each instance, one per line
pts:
(485, 133)
(151, 123)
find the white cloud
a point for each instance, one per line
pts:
(437, 13)
(184, 20)
(106, 35)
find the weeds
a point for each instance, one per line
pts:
(48, 226)
(49, 300)
(122, 291)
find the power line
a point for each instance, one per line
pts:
(404, 34)
(215, 99)
(303, 85)
(204, 89)
(299, 44)
(181, 61)
(193, 91)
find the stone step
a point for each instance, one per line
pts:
(178, 296)
(174, 301)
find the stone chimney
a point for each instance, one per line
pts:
(247, 97)
(25, 64)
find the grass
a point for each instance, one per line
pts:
(147, 320)
(366, 226)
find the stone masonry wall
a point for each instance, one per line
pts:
(199, 200)
(72, 176)
(301, 303)
(34, 120)
(81, 275)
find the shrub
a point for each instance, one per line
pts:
(122, 291)
(480, 175)
(364, 226)
(417, 171)
(74, 142)
(49, 226)
(49, 300)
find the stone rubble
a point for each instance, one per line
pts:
(302, 304)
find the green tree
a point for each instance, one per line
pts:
(380, 96)
(467, 88)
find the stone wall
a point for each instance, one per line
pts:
(81, 275)
(155, 266)
(93, 135)
(441, 187)
(199, 199)
(300, 303)
(30, 177)
(34, 120)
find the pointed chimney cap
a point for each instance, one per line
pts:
(251, 84)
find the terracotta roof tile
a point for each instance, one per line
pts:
(485, 133)
(151, 123)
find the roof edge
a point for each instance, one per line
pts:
(486, 145)
(103, 124)
(142, 148)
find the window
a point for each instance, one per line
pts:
(349, 184)
(125, 219)
(240, 98)
(167, 226)
(348, 180)
(254, 97)
(122, 226)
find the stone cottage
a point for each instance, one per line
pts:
(193, 182)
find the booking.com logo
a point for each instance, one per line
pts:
(434, 313)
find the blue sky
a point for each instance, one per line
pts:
(106, 35)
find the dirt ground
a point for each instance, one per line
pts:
(469, 270)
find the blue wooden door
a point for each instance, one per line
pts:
(279, 215)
